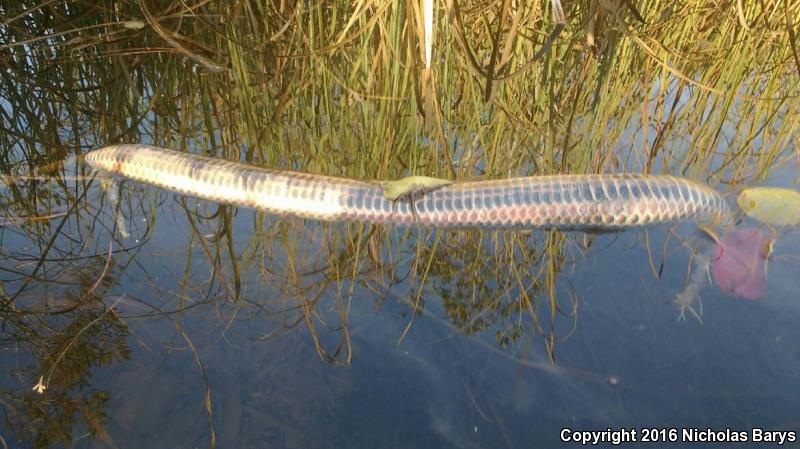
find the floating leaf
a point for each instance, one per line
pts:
(773, 205)
(412, 185)
(739, 263)
(133, 24)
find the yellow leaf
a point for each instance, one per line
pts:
(412, 185)
(773, 205)
(133, 24)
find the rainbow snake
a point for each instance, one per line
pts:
(593, 201)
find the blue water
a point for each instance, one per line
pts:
(471, 370)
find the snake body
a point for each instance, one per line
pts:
(602, 201)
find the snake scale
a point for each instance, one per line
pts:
(598, 201)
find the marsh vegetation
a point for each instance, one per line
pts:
(112, 294)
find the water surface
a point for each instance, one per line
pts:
(134, 317)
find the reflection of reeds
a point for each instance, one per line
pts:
(61, 343)
(323, 87)
(335, 88)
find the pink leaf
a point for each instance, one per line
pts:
(739, 262)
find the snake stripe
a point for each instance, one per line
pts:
(605, 201)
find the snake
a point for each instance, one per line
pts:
(566, 201)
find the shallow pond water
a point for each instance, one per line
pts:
(288, 356)
(135, 317)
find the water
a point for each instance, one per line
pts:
(471, 370)
(132, 317)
